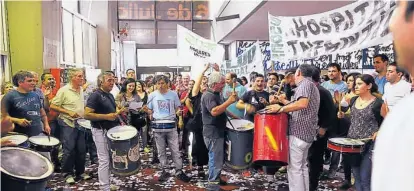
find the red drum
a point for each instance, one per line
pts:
(271, 144)
(346, 145)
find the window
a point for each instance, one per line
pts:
(167, 31)
(79, 41)
(3, 28)
(142, 32)
(173, 10)
(202, 28)
(155, 21)
(136, 10)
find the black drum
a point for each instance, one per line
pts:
(42, 143)
(124, 150)
(24, 169)
(239, 144)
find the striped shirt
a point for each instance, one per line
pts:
(341, 87)
(304, 122)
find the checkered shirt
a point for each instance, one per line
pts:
(304, 123)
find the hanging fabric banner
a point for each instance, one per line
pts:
(196, 50)
(353, 27)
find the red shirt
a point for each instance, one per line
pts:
(51, 115)
(185, 109)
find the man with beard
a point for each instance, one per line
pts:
(214, 123)
(335, 83)
(393, 159)
(396, 88)
(380, 65)
(101, 110)
(24, 106)
(49, 91)
(255, 99)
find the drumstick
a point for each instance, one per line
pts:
(234, 85)
(366, 139)
(281, 85)
(339, 105)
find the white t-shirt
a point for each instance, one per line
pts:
(115, 91)
(393, 160)
(395, 92)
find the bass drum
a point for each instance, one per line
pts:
(24, 169)
(124, 150)
(271, 144)
(239, 144)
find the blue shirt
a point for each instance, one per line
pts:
(27, 106)
(341, 87)
(227, 91)
(381, 84)
(163, 105)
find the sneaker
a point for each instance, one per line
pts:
(85, 176)
(69, 179)
(164, 176)
(202, 174)
(113, 187)
(345, 186)
(147, 149)
(182, 176)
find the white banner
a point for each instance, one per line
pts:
(197, 51)
(249, 61)
(353, 27)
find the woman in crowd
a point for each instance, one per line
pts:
(344, 124)
(195, 124)
(145, 130)
(244, 81)
(5, 88)
(366, 113)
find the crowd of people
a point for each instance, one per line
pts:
(344, 105)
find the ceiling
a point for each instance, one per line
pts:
(255, 27)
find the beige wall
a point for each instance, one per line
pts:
(103, 14)
(51, 26)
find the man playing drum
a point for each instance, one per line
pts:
(214, 123)
(302, 126)
(24, 106)
(70, 104)
(101, 110)
(163, 104)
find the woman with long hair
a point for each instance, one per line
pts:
(366, 112)
(145, 129)
(124, 99)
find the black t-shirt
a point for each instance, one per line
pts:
(327, 113)
(213, 127)
(196, 102)
(102, 103)
(27, 106)
(252, 97)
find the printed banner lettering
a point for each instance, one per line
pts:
(353, 27)
(247, 62)
(196, 51)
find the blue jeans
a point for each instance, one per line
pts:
(74, 149)
(215, 161)
(362, 173)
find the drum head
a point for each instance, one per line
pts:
(163, 121)
(240, 125)
(16, 139)
(44, 140)
(346, 141)
(25, 164)
(120, 133)
(85, 123)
